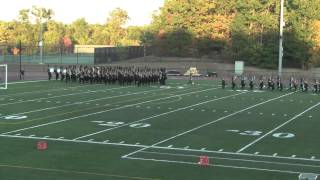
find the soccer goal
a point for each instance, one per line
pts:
(3, 76)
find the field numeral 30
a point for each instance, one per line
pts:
(259, 133)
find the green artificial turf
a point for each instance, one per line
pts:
(126, 132)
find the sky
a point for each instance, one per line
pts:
(94, 11)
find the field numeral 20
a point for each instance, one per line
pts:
(259, 133)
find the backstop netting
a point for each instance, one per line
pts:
(3, 76)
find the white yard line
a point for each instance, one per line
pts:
(209, 123)
(214, 165)
(158, 115)
(81, 102)
(64, 95)
(278, 127)
(99, 112)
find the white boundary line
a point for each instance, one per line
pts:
(215, 165)
(46, 90)
(65, 171)
(99, 112)
(209, 123)
(158, 115)
(23, 82)
(160, 147)
(278, 127)
(235, 159)
(64, 95)
(70, 140)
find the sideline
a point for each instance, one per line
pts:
(77, 172)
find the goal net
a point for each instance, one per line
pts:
(3, 76)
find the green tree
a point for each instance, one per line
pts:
(80, 31)
(115, 25)
(100, 34)
(54, 34)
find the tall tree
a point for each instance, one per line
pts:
(115, 24)
(80, 31)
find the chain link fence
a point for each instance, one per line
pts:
(58, 54)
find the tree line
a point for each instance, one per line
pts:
(245, 30)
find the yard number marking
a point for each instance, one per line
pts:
(251, 133)
(12, 117)
(119, 123)
(283, 135)
(259, 133)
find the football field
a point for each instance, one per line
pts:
(156, 132)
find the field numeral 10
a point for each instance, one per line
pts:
(259, 133)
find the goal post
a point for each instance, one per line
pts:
(3, 76)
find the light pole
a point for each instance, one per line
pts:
(281, 39)
(40, 38)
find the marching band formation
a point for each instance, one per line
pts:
(145, 76)
(109, 74)
(272, 83)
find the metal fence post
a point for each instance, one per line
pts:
(20, 49)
